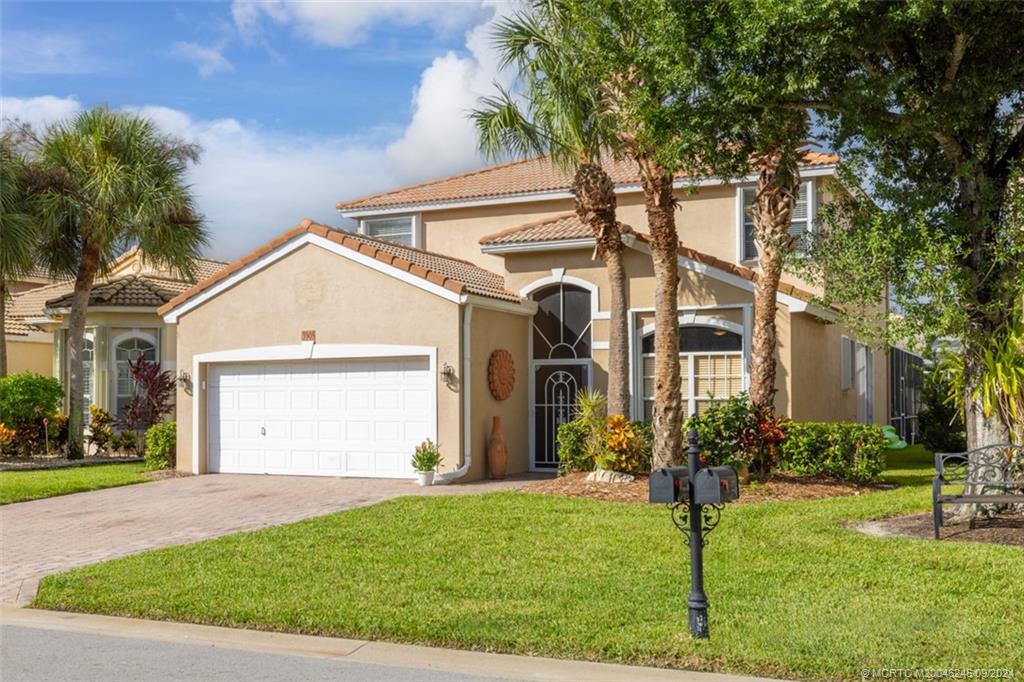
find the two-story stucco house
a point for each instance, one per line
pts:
(335, 352)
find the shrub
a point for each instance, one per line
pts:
(427, 456)
(6, 438)
(101, 429)
(26, 400)
(627, 446)
(595, 441)
(127, 442)
(572, 447)
(846, 451)
(940, 422)
(735, 432)
(161, 440)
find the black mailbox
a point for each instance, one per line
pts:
(669, 485)
(715, 485)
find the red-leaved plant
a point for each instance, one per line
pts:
(153, 399)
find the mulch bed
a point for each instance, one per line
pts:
(161, 474)
(29, 463)
(780, 488)
(1002, 529)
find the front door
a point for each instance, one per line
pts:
(554, 403)
(561, 365)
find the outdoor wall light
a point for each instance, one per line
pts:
(184, 380)
(448, 373)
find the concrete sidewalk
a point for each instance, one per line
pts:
(191, 652)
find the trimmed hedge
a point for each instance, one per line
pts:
(161, 442)
(843, 450)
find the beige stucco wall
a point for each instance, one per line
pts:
(29, 356)
(345, 302)
(492, 330)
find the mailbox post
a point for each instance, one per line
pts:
(695, 495)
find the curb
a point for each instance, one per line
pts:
(363, 651)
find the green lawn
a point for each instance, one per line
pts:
(793, 592)
(18, 486)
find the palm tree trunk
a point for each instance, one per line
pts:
(660, 205)
(764, 336)
(3, 328)
(76, 345)
(595, 206)
(618, 334)
(778, 182)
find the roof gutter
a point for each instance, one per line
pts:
(467, 435)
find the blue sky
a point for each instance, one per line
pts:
(297, 105)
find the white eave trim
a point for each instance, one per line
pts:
(629, 188)
(526, 307)
(795, 305)
(297, 242)
(107, 309)
(550, 245)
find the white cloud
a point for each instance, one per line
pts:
(37, 53)
(344, 24)
(441, 138)
(252, 183)
(38, 112)
(208, 60)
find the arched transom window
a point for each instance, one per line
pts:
(561, 327)
(710, 365)
(127, 351)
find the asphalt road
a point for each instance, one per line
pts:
(28, 654)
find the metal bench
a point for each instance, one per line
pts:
(990, 475)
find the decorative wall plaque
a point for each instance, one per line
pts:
(501, 374)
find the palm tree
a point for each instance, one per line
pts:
(17, 227)
(113, 181)
(562, 117)
(778, 182)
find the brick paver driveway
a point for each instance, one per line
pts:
(52, 535)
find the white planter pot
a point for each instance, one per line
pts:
(425, 477)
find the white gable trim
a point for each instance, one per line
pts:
(794, 304)
(171, 317)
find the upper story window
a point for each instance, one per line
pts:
(398, 229)
(800, 225)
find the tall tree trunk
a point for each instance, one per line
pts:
(778, 183)
(660, 205)
(595, 206)
(3, 328)
(87, 270)
(618, 334)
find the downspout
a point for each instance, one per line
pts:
(467, 435)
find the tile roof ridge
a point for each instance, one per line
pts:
(524, 226)
(425, 183)
(425, 252)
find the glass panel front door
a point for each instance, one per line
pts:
(554, 403)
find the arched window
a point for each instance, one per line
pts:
(561, 327)
(710, 365)
(128, 350)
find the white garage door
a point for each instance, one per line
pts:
(330, 418)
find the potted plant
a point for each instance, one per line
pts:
(425, 461)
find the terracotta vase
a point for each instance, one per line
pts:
(497, 452)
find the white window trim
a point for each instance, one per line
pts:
(812, 216)
(417, 227)
(150, 334)
(689, 318)
(306, 350)
(558, 276)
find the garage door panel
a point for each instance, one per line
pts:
(351, 417)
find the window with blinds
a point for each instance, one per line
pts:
(799, 226)
(710, 367)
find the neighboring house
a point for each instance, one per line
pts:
(332, 353)
(121, 324)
